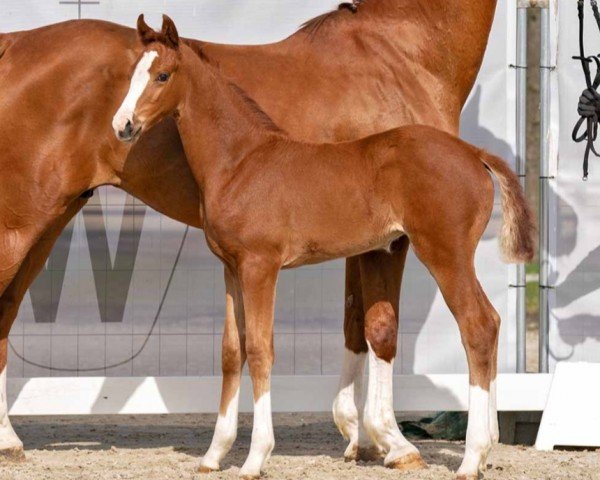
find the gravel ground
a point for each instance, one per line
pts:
(308, 448)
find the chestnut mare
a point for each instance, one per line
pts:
(270, 202)
(56, 144)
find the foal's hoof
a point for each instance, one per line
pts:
(467, 477)
(412, 461)
(12, 455)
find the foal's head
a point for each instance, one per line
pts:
(155, 89)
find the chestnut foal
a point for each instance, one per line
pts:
(269, 203)
(409, 73)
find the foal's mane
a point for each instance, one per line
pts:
(263, 117)
(311, 27)
(255, 109)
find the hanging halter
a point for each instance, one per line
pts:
(589, 101)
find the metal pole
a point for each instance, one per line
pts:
(545, 71)
(521, 157)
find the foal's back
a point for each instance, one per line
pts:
(334, 200)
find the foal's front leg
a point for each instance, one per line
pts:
(233, 357)
(258, 279)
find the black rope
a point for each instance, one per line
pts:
(123, 362)
(588, 107)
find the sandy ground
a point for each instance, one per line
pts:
(308, 448)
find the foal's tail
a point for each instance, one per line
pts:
(517, 238)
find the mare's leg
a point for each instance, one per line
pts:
(258, 278)
(450, 260)
(11, 447)
(349, 402)
(382, 274)
(233, 358)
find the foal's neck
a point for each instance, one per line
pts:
(218, 124)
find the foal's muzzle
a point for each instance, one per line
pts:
(129, 132)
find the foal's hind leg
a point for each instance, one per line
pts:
(381, 275)
(233, 358)
(452, 266)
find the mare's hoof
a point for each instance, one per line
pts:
(205, 469)
(369, 454)
(364, 454)
(249, 477)
(12, 455)
(412, 461)
(351, 453)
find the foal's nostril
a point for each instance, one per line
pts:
(127, 131)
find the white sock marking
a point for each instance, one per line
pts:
(224, 436)
(479, 440)
(139, 80)
(348, 405)
(8, 437)
(494, 429)
(263, 439)
(380, 420)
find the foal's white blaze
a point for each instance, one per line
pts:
(348, 404)
(8, 437)
(263, 440)
(479, 440)
(139, 80)
(380, 421)
(224, 436)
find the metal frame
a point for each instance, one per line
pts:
(545, 178)
(521, 158)
(79, 3)
(546, 69)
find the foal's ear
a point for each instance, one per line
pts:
(145, 33)
(169, 32)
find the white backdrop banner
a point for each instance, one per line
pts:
(575, 212)
(103, 283)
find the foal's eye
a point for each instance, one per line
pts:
(162, 77)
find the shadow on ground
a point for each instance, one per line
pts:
(295, 434)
